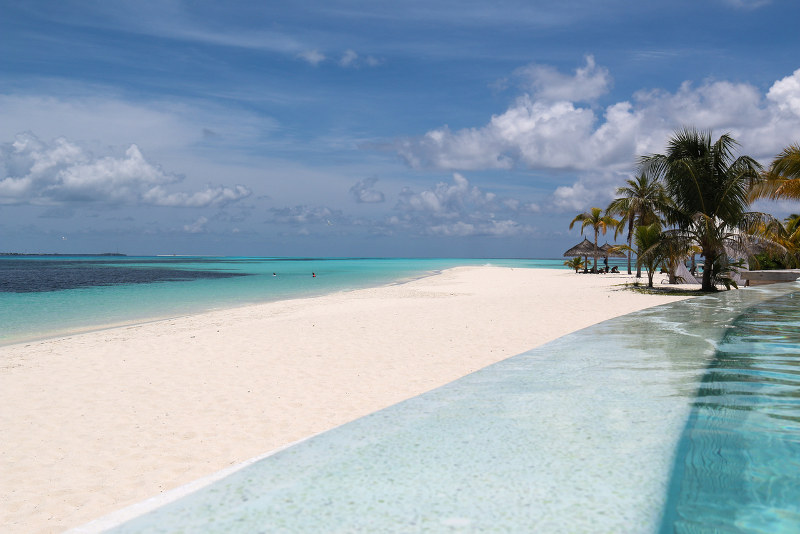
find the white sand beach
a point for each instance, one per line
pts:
(95, 422)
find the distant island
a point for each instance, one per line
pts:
(59, 254)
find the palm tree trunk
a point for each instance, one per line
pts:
(639, 265)
(594, 269)
(630, 240)
(707, 285)
(708, 262)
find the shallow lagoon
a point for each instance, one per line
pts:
(44, 296)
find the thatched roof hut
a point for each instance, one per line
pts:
(584, 248)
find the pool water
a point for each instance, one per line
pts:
(739, 466)
(678, 418)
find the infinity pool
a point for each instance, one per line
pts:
(680, 418)
(738, 467)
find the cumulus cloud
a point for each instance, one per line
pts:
(785, 93)
(548, 127)
(363, 191)
(458, 209)
(301, 215)
(62, 172)
(492, 228)
(546, 83)
(445, 200)
(210, 196)
(594, 189)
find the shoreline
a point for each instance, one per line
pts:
(89, 329)
(193, 306)
(101, 420)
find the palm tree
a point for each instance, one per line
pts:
(575, 263)
(675, 248)
(649, 249)
(594, 218)
(782, 180)
(788, 255)
(792, 226)
(791, 240)
(638, 204)
(709, 189)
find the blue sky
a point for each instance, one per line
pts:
(338, 128)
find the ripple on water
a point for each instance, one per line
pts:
(738, 470)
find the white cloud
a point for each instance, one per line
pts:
(546, 83)
(541, 131)
(197, 227)
(351, 59)
(302, 215)
(314, 57)
(364, 192)
(466, 149)
(211, 196)
(504, 228)
(348, 58)
(785, 93)
(62, 172)
(445, 200)
(531, 133)
(572, 197)
(591, 189)
(459, 209)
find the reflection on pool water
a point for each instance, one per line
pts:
(680, 418)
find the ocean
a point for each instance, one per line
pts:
(46, 296)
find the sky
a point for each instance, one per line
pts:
(373, 129)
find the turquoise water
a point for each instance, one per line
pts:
(739, 464)
(36, 314)
(678, 418)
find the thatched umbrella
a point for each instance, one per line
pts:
(606, 251)
(584, 248)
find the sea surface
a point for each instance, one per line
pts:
(46, 296)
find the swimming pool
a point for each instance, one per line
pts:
(738, 468)
(679, 418)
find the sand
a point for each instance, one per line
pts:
(98, 421)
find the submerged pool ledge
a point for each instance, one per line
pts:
(577, 435)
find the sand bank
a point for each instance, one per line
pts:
(98, 421)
